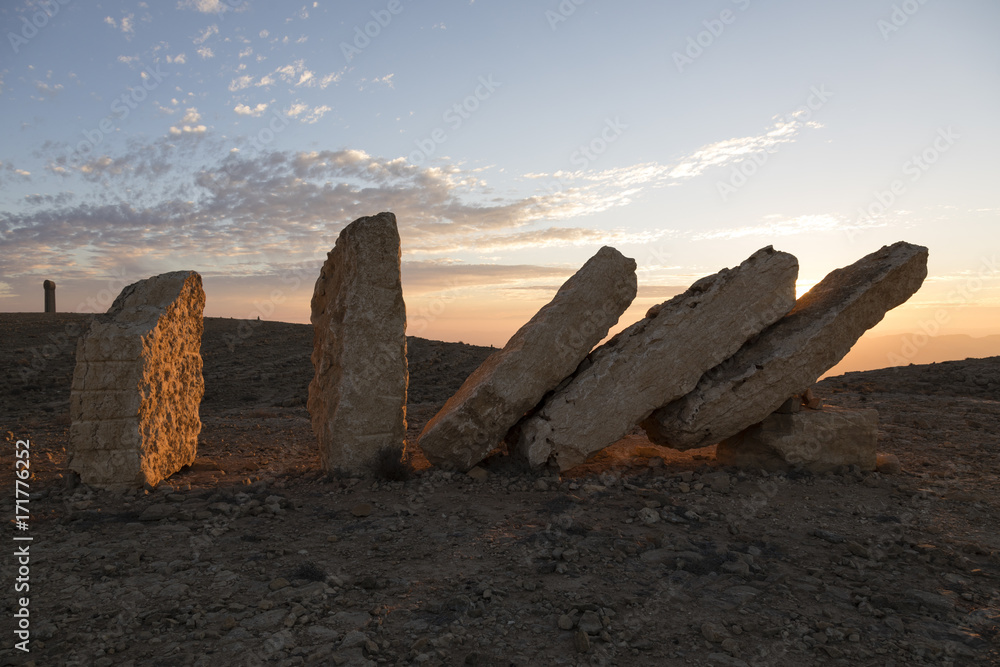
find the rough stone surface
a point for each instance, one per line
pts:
(788, 357)
(357, 398)
(138, 384)
(657, 359)
(535, 360)
(817, 440)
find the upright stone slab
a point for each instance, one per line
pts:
(357, 398)
(138, 384)
(535, 360)
(657, 359)
(792, 354)
(816, 440)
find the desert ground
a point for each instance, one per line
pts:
(641, 556)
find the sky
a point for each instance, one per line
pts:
(511, 139)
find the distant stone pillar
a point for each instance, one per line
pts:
(50, 296)
(357, 399)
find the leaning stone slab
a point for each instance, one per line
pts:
(817, 440)
(357, 398)
(535, 360)
(138, 384)
(789, 356)
(656, 360)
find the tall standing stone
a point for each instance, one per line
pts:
(535, 360)
(138, 384)
(357, 398)
(657, 359)
(50, 296)
(790, 356)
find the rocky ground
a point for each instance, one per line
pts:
(642, 556)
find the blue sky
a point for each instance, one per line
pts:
(511, 139)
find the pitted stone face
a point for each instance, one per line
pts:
(138, 385)
(357, 398)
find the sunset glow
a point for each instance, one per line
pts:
(511, 141)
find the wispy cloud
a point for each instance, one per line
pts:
(307, 114)
(776, 225)
(255, 207)
(729, 151)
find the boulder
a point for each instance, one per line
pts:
(656, 360)
(787, 358)
(138, 384)
(816, 440)
(535, 360)
(357, 398)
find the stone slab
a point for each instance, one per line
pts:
(787, 358)
(534, 361)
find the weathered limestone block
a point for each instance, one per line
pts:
(535, 360)
(789, 356)
(137, 385)
(357, 398)
(816, 440)
(657, 359)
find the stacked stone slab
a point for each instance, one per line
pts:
(138, 384)
(535, 360)
(792, 354)
(357, 398)
(816, 440)
(658, 359)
